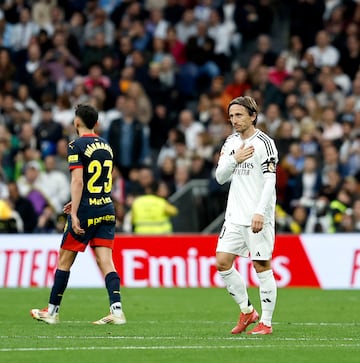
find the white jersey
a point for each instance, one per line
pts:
(252, 188)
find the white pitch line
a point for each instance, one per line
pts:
(187, 322)
(180, 347)
(171, 338)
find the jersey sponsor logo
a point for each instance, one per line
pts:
(247, 165)
(100, 201)
(239, 171)
(244, 168)
(97, 220)
(73, 158)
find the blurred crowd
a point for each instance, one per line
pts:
(161, 73)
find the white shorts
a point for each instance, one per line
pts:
(241, 241)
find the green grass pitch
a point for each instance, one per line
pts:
(180, 325)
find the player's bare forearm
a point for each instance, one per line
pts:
(76, 192)
(76, 189)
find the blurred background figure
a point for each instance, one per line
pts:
(151, 213)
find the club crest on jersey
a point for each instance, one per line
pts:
(271, 165)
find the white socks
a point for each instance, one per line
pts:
(53, 309)
(236, 287)
(116, 309)
(268, 292)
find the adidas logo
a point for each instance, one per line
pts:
(257, 254)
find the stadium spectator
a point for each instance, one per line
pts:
(265, 49)
(7, 68)
(22, 33)
(24, 102)
(128, 139)
(330, 95)
(174, 46)
(187, 26)
(271, 119)
(60, 54)
(140, 38)
(239, 83)
(99, 23)
(331, 162)
(96, 51)
(350, 56)
(252, 19)
(31, 64)
(48, 132)
(307, 185)
(159, 125)
(260, 82)
(278, 73)
(200, 55)
(323, 52)
(42, 88)
(157, 25)
(173, 11)
(338, 209)
(190, 127)
(284, 138)
(61, 157)
(166, 172)
(57, 184)
(199, 167)
(24, 208)
(151, 214)
(329, 128)
(27, 136)
(182, 175)
(34, 186)
(76, 27)
(294, 54)
(10, 222)
(222, 36)
(216, 126)
(168, 148)
(144, 110)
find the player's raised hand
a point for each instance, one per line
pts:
(243, 153)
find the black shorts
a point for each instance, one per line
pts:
(99, 231)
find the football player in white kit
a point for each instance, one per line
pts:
(248, 158)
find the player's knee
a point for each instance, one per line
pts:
(223, 265)
(224, 261)
(261, 266)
